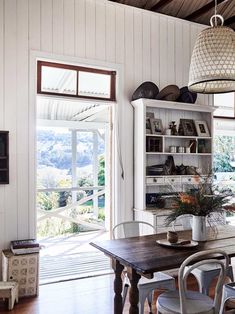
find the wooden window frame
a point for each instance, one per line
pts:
(78, 69)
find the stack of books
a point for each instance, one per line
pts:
(26, 246)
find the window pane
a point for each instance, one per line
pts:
(57, 80)
(225, 102)
(54, 157)
(94, 84)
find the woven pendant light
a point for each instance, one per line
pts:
(212, 68)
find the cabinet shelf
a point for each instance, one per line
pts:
(153, 150)
(180, 154)
(180, 137)
(177, 175)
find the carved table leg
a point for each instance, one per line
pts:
(118, 268)
(134, 291)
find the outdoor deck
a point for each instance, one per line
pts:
(70, 257)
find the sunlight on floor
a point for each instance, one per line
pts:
(71, 256)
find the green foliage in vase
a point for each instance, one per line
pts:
(202, 200)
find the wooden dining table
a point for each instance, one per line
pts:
(142, 256)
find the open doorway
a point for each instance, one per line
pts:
(74, 145)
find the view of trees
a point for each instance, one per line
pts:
(54, 171)
(224, 147)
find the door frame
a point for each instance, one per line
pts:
(117, 181)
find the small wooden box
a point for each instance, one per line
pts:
(23, 269)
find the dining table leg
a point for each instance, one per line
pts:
(118, 303)
(134, 278)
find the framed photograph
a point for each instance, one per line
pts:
(156, 126)
(201, 128)
(188, 127)
(154, 144)
(148, 126)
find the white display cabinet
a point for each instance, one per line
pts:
(199, 157)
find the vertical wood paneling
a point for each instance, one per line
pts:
(22, 118)
(129, 51)
(138, 47)
(186, 53)
(120, 34)
(155, 51)
(90, 29)
(11, 193)
(171, 51)
(178, 53)
(34, 24)
(163, 51)
(46, 25)
(69, 31)
(146, 48)
(100, 38)
(110, 33)
(57, 26)
(127, 115)
(80, 28)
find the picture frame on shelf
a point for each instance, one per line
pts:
(154, 144)
(202, 128)
(148, 126)
(188, 127)
(156, 126)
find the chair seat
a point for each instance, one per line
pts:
(196, 303)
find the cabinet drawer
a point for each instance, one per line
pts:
(188, 180)
(154, 180)
(174, 180)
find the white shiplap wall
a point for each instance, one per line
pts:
(149, 46)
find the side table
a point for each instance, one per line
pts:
(23, 269)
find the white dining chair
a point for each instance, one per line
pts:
(228, 293)
(184, 301)
(146, 286)
(206, 273)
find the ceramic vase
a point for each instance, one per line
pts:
(199, 228)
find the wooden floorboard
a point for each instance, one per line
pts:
(82, 296)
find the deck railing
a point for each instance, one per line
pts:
(90, 221)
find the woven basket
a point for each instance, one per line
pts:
(212, 68)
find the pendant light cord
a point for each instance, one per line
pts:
(215, 12)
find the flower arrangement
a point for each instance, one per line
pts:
(202, 200)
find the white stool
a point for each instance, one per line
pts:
(9, 290)
(228, 293)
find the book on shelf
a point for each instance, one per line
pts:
(25, 250)
(24, 244)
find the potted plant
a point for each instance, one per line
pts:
(200, 201)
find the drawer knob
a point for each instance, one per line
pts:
(154, 180)
(172, 180)
(190, 179)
